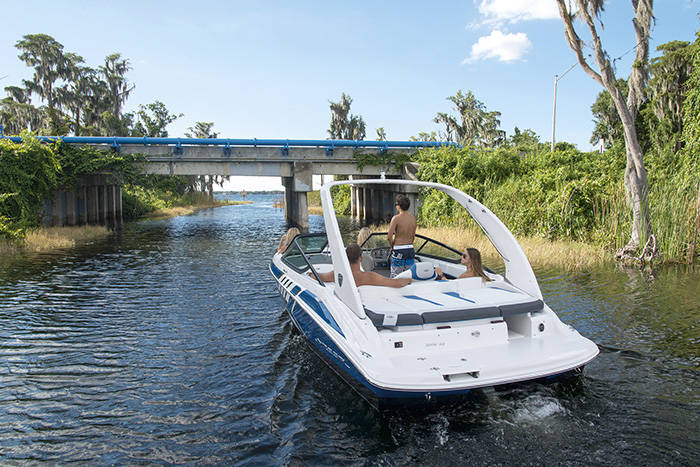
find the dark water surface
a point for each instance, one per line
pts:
(169, 344)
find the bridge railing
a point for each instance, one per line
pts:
(116, 141)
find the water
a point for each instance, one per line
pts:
(169, 344)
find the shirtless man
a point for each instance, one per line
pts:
(402, 230)
(361, 277)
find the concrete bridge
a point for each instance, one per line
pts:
(295, 161)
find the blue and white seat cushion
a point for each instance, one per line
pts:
(423, 271)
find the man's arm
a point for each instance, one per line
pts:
(372, 278)
(324, 276)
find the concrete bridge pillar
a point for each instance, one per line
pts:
(295, 189)
(71, 214)
(93, 197)
(82, 205)
(119, 217)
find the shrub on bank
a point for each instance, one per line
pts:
(31, 171)
(565, 194)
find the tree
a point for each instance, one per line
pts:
(667, 89)
(114, 71)
(344, 125)
(206, 182)
(201, 130)
(526, 139)
(45, 54)
(636, 183)
(75, 94)
(381, 134)
(425, 136)
(474, 125)
(691, 106)
(18, 116)
(608, 125)
(153, 119)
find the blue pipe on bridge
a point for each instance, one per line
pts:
(328, 143)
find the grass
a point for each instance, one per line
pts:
(175, 211)
(567, 255)
(54, 238)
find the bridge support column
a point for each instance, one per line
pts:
(119, 217)
(103, 205)
(296, 209)
(93, 205)
(353, 199)
(58, 208)
(360, 203)
(71, 217)
(82, 205)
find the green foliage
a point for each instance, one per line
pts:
(385, 160)
(341, 199)
(691, 105)
(343, 124)
(153, 119)
(565, 194)
(138, 200)
(29, 171)
(474, 125)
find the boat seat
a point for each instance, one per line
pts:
(431, 302)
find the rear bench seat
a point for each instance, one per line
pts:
(479, 303)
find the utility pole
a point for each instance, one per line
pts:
(554, 111)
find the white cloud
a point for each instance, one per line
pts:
(514, 11)
(505, 47)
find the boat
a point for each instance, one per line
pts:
(433, 339)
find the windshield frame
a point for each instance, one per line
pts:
(295, 242)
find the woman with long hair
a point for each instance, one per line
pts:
(471, 259)
(286, 239)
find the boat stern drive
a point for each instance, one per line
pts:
(431, 338)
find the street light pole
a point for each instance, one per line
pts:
(554, 111)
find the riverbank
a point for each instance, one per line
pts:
(175, 211)
(47, 239)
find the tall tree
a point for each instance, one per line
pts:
(201, 130)
(153, 120)
(636, 183)
(608, 126)
(206, 182)
(425, 136)
(474, 125)
(667, 89)
(114, 72)
(74, 94)
(45, 55)
(691, 106)
(343, 124)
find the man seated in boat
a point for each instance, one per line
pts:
(402, 231)
(354, 253)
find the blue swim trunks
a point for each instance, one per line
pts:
(402, 258)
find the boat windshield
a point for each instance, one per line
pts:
(305, 250)
(423, 245)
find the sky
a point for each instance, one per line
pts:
(268, 69)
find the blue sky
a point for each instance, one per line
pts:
(268, 69)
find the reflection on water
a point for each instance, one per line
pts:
(169, 343)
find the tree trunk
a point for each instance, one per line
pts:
(636, 183)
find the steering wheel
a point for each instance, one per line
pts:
(381, 253)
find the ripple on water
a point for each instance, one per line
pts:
(169, 343)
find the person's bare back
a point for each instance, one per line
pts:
(402, 229)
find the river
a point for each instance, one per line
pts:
(169, 343)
